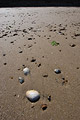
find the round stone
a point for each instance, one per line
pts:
(33, 95)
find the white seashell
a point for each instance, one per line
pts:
(32, 95)
(26, 71)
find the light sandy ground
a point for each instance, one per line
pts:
(42, 26)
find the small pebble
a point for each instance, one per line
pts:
(49, 98)
(59, 50)
(20, 51)
(45, 75)
(26, 71)
(11, 77)
(77, 67)
(63, 78)
(39, 64)
(72, 45)
(57, 71)
(29, 38)
(5, 63)
(44, 106)
(12, 42)
(33, 60)
(4, 54)
(18, 68)
(21, 80)
(30, 46)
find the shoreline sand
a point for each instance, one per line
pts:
(26, 34)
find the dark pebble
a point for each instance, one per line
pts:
(29, 38)
(45, 75)
(44, 106)
(39, 64)
(5, 63)
(33, 60)
(63, 78)
(21, 80)
(12, 42)
(49, 98)
(4, 54)
(20, 51)
(77, 67)
(72, 45)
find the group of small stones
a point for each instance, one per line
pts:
(33, 95)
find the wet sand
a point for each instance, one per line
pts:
(25, 41)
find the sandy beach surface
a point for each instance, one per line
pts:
(26, 35)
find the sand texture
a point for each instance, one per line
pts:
(26, 35)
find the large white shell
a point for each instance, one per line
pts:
(32, 95)
(26, 71)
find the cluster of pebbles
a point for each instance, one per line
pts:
(33, 95)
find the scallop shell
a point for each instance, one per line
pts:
(33, 95)
(26, 71)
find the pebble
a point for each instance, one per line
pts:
(33, 60)
(26, 71)
(20, 51)
(39, 64)
(49, 98)
(21, 80)
(4, 54)
(33, 95)
(5, 63)
(72, 45)
(45, 75)
(29, 38)
(57, 71)
(44, 106)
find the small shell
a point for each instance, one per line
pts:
(57, 71)
(26, 71)
(33, 95)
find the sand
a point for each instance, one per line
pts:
(25, 41)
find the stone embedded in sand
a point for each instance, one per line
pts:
(29, 38)
(5, 63)
(21, 80)
(4, 54)
(33, 60)
(72, 45)
(20, 51)
(49, 98)
(44, 106)
(45, 75)
(26, 71)
(57, 71)
(33, 95)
